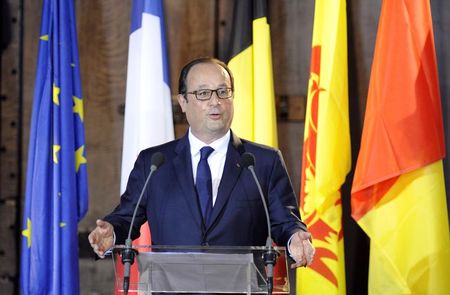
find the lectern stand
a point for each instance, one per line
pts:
(204, 269)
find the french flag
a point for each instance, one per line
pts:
(148, 106)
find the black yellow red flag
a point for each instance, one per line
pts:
(250, 59)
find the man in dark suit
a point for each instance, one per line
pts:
(202, 195)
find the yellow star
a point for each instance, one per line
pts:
(62, 224)
(56, 148)
(27, 232)
(56, 91)
(78, 107)
(44, 37)
(79, 158)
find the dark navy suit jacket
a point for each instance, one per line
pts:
(171, 205)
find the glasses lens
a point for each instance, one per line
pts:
(203, 94)
(224, 92)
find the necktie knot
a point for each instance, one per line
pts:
(205, 152)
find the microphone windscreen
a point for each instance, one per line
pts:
(157, 159)
(247, 159)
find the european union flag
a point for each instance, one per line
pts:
(56, 187)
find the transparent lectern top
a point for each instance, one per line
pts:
(201, 269)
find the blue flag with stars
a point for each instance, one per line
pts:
(56, 195)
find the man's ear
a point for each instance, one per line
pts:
(182, 100)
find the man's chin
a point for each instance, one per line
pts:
(219, 128)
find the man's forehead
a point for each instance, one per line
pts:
(208, 64)
(197, 74)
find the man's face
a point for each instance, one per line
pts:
(211, 119)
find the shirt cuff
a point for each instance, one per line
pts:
(109, 251)
(289, 245)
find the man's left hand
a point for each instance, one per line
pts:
(301, 249)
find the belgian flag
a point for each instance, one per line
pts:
(250, 60)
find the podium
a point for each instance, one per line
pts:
(202, 269)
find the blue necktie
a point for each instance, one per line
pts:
(203, 183)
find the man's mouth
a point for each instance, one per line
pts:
(214, 115)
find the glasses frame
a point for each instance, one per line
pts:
(212, 91)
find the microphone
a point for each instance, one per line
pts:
(270, 256)
(128, 253)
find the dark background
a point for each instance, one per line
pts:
(194, 28)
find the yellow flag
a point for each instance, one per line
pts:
(326, 151)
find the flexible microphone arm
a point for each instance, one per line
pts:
(248, 161)
(128, 253)
(270, 256)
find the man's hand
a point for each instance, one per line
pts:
(301, 249)
(102, 237)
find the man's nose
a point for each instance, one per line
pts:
(214, 100)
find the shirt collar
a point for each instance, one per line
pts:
(219, 145)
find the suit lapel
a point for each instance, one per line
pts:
(183, 171)
(230, 175)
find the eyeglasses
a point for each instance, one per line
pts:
(206, 94)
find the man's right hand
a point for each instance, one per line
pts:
(102, 237)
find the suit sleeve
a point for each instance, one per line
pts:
(283, 207)
(121, 217)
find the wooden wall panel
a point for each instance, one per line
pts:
(10, 157)
(362, 24)
(31, 22)
(31, 25)
(190, 33)
(291, 32)
(9, 111)
(103, 31)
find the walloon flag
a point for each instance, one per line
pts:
(326, 151)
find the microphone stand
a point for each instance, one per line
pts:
(270, 259)
(270, 255)
(128, 253)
